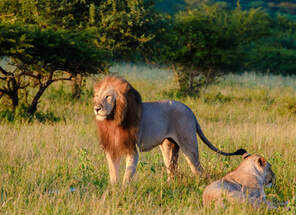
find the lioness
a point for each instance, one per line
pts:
(245, 183)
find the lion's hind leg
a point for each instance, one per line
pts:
(170, 149)
(189, 147)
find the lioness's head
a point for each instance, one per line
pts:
(261, 167)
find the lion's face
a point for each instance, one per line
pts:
(104, 103)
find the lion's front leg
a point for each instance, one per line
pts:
(131, 164)
(113, 165)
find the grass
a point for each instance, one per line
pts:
(41, 163)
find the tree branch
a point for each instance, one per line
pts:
(30, 75)
(63, 79)
(4, 72)
(24, 86)
(4, 91)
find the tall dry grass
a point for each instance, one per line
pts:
(59, 168)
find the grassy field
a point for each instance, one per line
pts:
(42, 163)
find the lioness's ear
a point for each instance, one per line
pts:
(245, 155)
(262, 161)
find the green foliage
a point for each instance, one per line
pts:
(62, 14)
(21, 115)
(276, 52)
(7, 114)
(40, 57)
(86, 172)
(125, 26)
(60, 94)
(201, 39)
(216, 98)
(208, 41)
(273, 7)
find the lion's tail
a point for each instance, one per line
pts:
(211, 146)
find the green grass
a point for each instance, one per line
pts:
(41, 162)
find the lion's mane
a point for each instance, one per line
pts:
(119, 133)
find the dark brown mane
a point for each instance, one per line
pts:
(119, 135)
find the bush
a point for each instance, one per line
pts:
(217, 98)
(21, 114)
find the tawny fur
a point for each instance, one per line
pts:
(125, 123)
(244, 184)
(119, 134)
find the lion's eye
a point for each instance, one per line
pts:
(108, 98)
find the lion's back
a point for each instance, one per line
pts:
(162, 119)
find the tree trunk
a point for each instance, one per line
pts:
(15, 101)
(34, 103)
(76, 86)
(190, 80)
(13, 92)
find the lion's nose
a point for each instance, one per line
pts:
(98, 108)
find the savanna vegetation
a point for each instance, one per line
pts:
(193, 51)
(42, 42)
(59, 168)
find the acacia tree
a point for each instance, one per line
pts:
(44, 56)
(64, 14)
(123, 26)
(207, 42)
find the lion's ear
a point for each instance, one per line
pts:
(262, 161)
(134, 95)
(134, 102)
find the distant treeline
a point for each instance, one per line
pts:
(48, 41)
(273, 7)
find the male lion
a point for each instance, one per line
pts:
(124, 122)
(245, 183)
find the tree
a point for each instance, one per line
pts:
(125, 26)
(58, 14)
(44, 56)
(275, 53)
(207, 42)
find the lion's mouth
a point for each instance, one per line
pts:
(100, 115)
